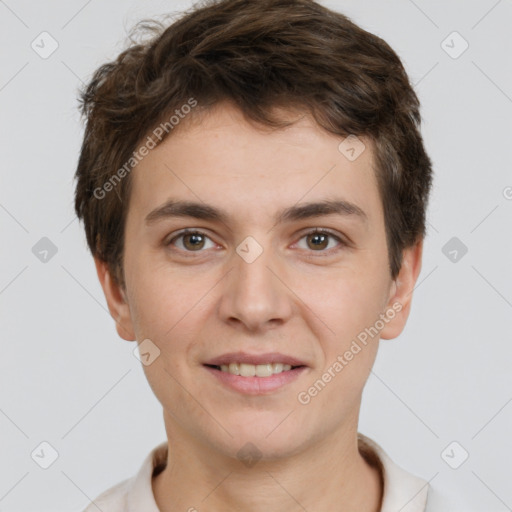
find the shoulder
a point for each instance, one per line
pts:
(111, 500)
(135, 493)
(439, 501)
(402, 490)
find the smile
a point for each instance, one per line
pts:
(255, 370)
(261, 379)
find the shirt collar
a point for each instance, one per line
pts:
(402, 490)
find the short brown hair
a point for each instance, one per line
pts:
(260, 55)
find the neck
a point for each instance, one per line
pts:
(329, 475)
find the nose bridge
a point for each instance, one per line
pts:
(253, 294)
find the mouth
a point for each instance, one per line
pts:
(254, 370)
(255, 374)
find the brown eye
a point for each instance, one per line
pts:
(318, 240)
(190, 241)
(193, 241)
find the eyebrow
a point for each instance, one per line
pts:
(173, 208)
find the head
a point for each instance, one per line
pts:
(250, 111)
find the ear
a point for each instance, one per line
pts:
(401, 292)
(116, 300)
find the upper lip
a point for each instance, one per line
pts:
(244, 357)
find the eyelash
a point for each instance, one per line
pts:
(342, 243)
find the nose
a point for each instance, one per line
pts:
(255, 296)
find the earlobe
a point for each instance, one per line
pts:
(116, 300)
(400, 298)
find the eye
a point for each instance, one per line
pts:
(191, 241)
(318, 240)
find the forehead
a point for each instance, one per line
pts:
(221, 158)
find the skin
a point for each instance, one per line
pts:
(295, 298)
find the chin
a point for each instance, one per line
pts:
(266, 437)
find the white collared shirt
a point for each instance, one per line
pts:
(403, 491)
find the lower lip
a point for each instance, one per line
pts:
(256, 385)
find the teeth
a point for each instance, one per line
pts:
(247, 370)
(255, 370)
(264, 370)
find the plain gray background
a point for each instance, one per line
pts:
(67, 379)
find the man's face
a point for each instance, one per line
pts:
(256, 286)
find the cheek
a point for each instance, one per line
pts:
(348, 302)
(350, 346)
(166, 307)
(171, 310)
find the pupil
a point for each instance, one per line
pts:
(193, 239)
(318, 237)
